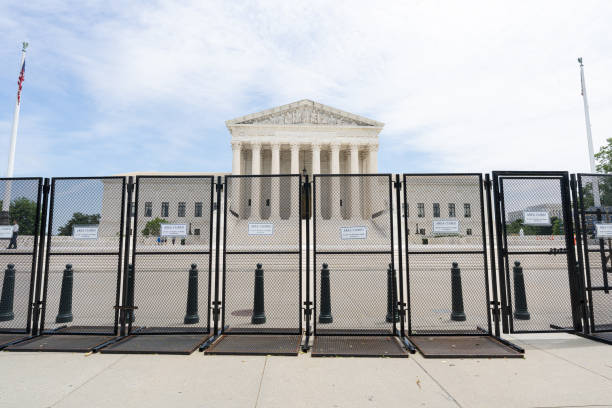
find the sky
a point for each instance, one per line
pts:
(114, 87)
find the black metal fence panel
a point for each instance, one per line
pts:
(595, 207)
(172, 244)
(262, 255)
(83, 261)
(20, 210)
(445, 250)
(353, 255)
(536, 251)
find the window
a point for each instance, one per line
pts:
(181, 209)
(467, 210)
(197, 212)
(196, 231)
(436, 210)
(451, 210)
(148, 209)
(468, 231)
(165, 209)
(421, 210)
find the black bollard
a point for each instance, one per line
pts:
(457, 314)
(130, 295)
(391, 296)
(259, 315)
(64, 314)
(520, 297)
(191, 317)
(325, 315)
(8, 290)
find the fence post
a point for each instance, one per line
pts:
(65, 306)
(8, 291)
(458, 313)
(520, 297)
(130, 295)
(191, 316)
(391, 296)
(325, 315)
(259, 315)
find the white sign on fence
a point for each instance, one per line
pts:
(603, 230)
(173, 230)
(261, 228)
(536, 218)
(353, 232)
(446, 227)
(85, 231)
(6, 231)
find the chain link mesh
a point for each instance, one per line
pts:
(353, 237)
(443, 221)
(97, 204)
(162, 262)
(534, 231)
(595, 201)
(262, 226)
(20, 200)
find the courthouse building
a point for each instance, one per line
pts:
(322, 140)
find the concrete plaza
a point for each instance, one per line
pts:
(559, 370)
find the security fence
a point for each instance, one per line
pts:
(354, 282)
(168, 283)
(594, 218)
(262, 255)
(20, 212)
(446, 254)
(83, 261)
(536, 258)
(108, 256)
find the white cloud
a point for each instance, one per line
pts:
(474, 85)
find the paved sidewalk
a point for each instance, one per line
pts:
(559, 370)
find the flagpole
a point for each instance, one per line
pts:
(11, 158)
(587, 119)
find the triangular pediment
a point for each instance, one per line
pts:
(304, 112)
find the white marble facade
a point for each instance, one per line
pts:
(304, 134)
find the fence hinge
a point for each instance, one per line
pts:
(216, 310)
(397, 185)
(307, 308)
(219, 187)
(401, 308)
(488, 185)
(130, 187)
(46, 188)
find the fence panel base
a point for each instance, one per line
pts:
(358, 346)
(257, 345)
(157, 344)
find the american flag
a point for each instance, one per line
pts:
(20, 82)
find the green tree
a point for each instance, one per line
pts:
(78, 218)
(23, 210)
(556, 226)
(153, 227)
(604, 158)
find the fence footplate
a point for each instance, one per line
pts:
(257, 345)
(184, 344)
(463, 347)
(602, 337)
(358, 346)
(61, 343)
(85, 330)
(6, 339)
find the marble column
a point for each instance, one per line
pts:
(355, 201)
(295, 158)
(335, 181)
(316, 158)
(373, 158)
(255, 181)
(354, 159)
(275, 181)
(236, 150)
